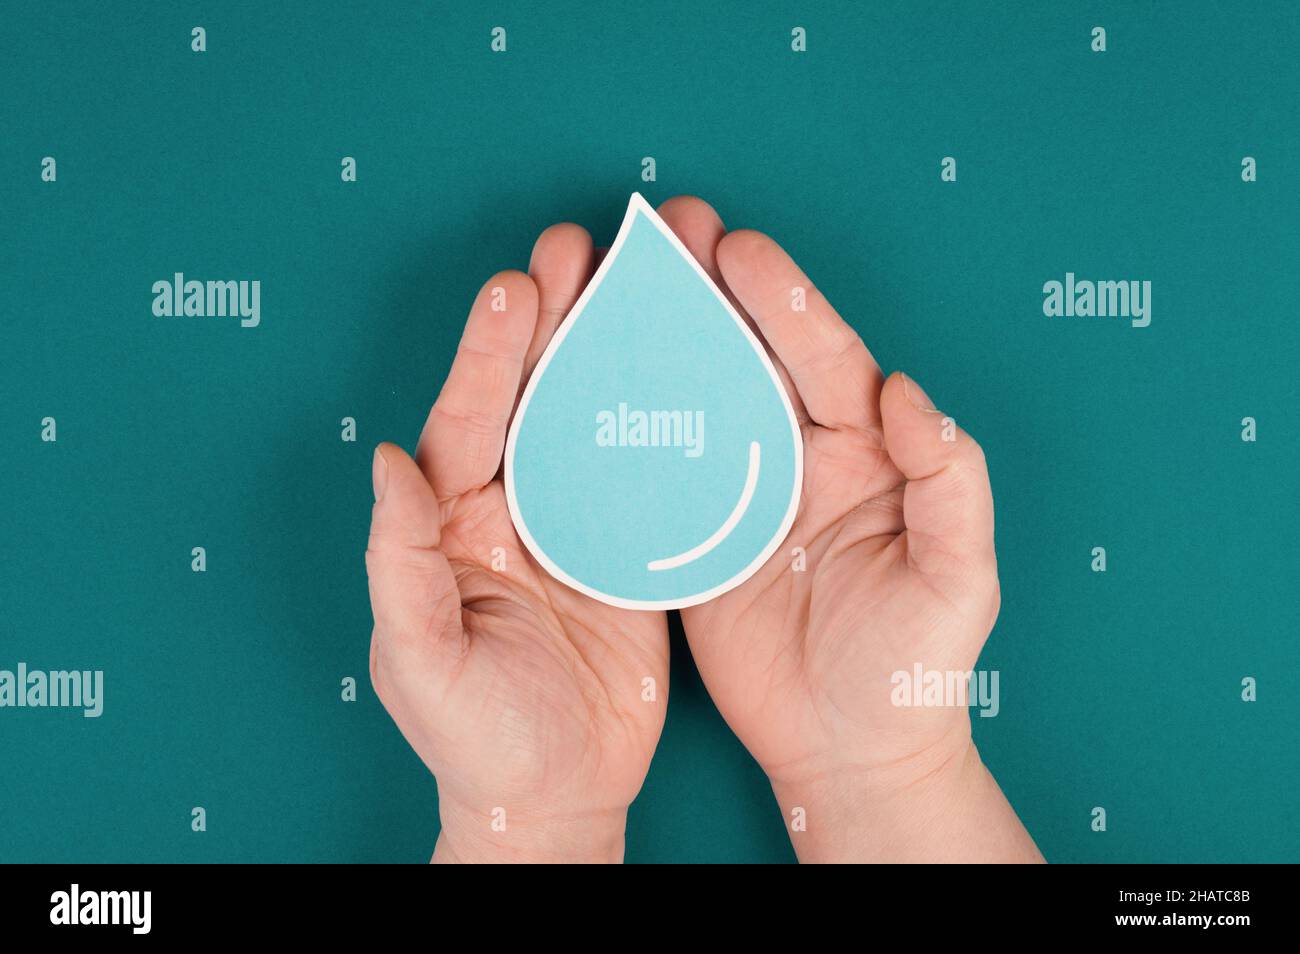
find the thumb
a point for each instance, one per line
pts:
(412, 587)
(947, 504)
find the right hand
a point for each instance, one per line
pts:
(517, 692)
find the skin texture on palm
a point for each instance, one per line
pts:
(518, 693)
(521, 694)
(896, 524)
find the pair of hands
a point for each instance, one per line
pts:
(525, 698)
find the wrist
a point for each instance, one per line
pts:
(845, 812)
(499, 836)
(942, 805)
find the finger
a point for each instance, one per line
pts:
(560, 267)
(833, 371)
(700, 229)
(461, 446)
(947, 504)
(413, 591)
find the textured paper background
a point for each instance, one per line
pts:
(1119, 689)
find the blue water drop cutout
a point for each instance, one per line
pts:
(655, 460)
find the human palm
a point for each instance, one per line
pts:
(890, 559)
(799, 658)
(536, 708)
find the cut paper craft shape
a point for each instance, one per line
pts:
(654, 461)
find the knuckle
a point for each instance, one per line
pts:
(995, 600)
(376, 672)
(469, 420)
(974, 457)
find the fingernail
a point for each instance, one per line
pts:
(379, 474)
(915, 396)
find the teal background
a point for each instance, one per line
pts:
(1119, 689)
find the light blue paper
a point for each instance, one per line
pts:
(693, 503)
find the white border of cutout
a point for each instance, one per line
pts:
(638, 204)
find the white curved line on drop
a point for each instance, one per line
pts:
(724, 531)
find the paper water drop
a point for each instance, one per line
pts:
(655, 460)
